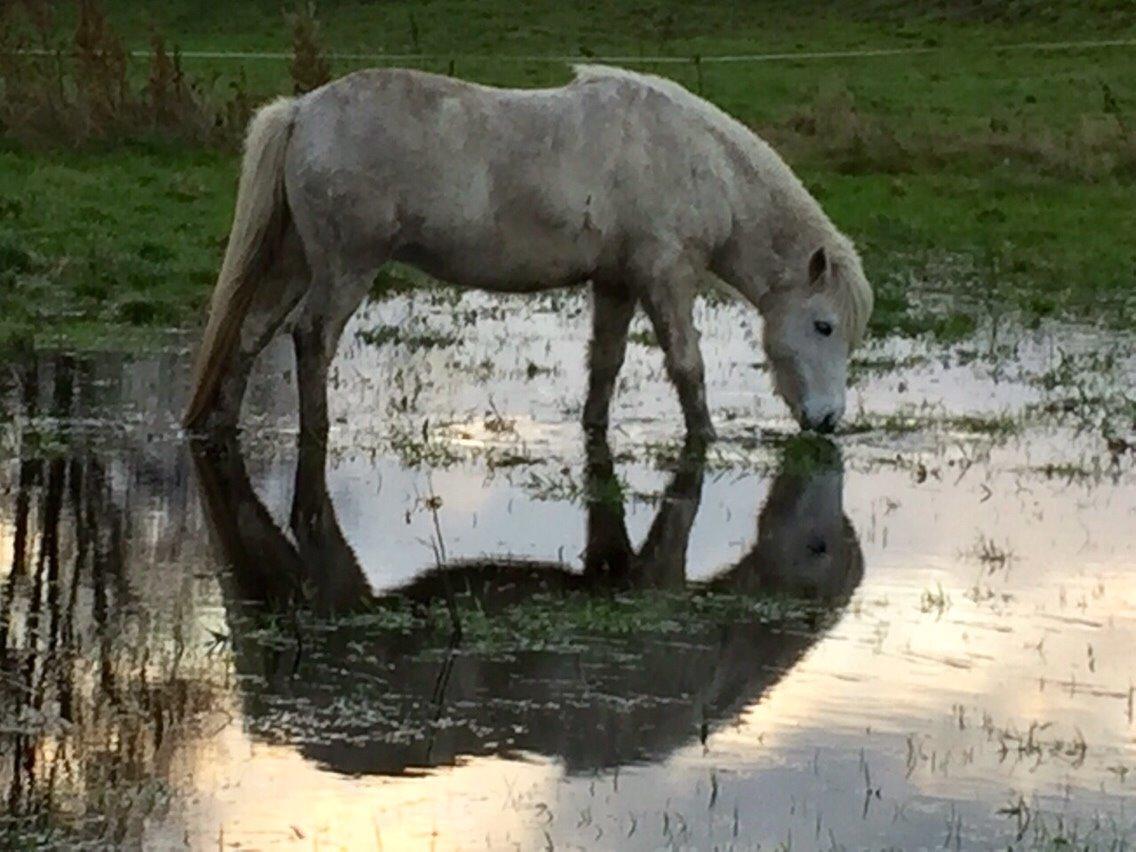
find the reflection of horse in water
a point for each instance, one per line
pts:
(359, 701)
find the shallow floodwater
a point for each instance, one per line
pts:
(462, 629)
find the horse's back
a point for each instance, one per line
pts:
(507, 188)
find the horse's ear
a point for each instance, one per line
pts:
(818, 265)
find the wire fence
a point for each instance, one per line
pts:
(635, 59)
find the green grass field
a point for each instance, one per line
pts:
(976, 177)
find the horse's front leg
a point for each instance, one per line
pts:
(612, 311)
(669, 302)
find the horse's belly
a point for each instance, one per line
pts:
(502, 251)
(497, 266)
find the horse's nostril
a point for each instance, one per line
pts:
(826, 424)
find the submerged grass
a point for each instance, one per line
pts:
(399, 335)
(545, 621)
(908, 420)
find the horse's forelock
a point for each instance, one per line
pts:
(854, 296)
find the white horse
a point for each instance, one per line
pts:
(624, 180)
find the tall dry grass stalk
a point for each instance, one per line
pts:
(310, 66)
(83, 86)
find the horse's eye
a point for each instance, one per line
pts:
(823, 328)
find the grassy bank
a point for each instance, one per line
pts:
(1003, 176)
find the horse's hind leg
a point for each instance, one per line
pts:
(612, 311)
(669, 303)
(329, 304)
(276, 297)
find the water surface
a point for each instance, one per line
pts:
(463, 628)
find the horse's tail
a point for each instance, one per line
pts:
(258, 226)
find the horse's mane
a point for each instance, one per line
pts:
(686, 99)
(854, 293)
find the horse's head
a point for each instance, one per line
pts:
(813, 320)
(806, 546)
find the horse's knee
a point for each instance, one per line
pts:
(684, 365)
(683, 356)
(603, 375)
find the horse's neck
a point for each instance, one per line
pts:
(775, 232)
